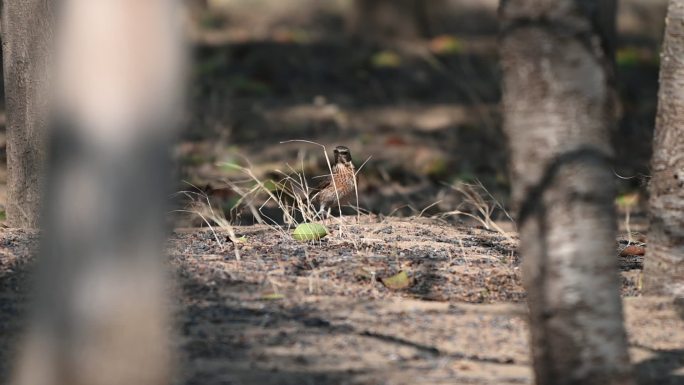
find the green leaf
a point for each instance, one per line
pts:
(309, 232)
(272, 297)
(628, 57)
(229, 166)
(632, 56)
(436, 168)
(270, 185)
(628, 200)
(386, 59)
(398, 281)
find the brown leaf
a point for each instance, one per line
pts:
(633, 250)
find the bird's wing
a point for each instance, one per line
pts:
(326, 180)
(322, 184)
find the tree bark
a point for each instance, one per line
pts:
(389, 20)
(100, 317)
(557, 102)
(664, 265)
(26, 35)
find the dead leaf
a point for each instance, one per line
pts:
(633, 250)
(398, 281)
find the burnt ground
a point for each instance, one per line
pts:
(318, 313)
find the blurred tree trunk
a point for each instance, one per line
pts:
(664, 267)
(389, 20)
(557, 110)
(100, 317)
(26, 33)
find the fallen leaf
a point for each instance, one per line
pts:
(395, 141)
(272, 297)
(309, 232)
(241, 239)
(398, 281)
(446, 45)
(633, 250)
(386, 59)
(627, 200)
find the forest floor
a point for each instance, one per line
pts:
(323, 313)
(296, 313)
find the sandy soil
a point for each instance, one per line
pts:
(318, 313)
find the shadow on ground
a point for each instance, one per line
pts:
(294, 313)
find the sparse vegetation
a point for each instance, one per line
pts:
(479, 205)
(417, 277)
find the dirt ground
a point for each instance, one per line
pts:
(319, 313)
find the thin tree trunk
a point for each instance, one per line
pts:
(664, 265)
(26, 35)
(557, 100)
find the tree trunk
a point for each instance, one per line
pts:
(556, 101)
(26, 35)
(100, 316)
(664, 267)
(389, 20)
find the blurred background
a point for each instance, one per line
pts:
(410, 86)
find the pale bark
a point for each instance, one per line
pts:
(664, 265)
(100, 316)
(557, 100)
(26, 35)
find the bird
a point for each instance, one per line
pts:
(327, 193)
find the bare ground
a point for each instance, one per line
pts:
(317, 313)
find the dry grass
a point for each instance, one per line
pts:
(480, 205)
(290, 194)
(200, 206)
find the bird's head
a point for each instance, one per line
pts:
(342, 155)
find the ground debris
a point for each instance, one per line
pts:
(296, 313)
